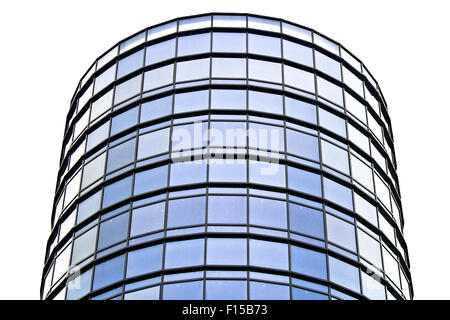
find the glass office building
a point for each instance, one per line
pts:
(227, 156)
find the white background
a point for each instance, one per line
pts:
(46, 46)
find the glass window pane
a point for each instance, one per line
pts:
(265, 102)
(79, 286)
(187, 172)
(149, 180)
(228, 99)
(362, 173)
(88, 207)
(183, 291)
(229, 21)
(267, 212)
(144, 260)
(296, 32)
(369, 248)
(229, 68)
(268, 254)
(229, 134)
(226, 251)
(332, 122)
(264, 24)
(268, 291)
(93, 170)
(186, 212)
(153, 143)
(297, 53)
(161, 31)
(124, 120)
(97, 136)
(117, 191)
(328, 65)
(300, 110)
(302, 294)
(226, 290)
(338, 193)
(113, 231)
(344, 274)
(372, 288)
(335, 157)
(121, 155)
(366, 210)
(186, 137)
(194, 44)
(308, 262)
(341, 232)
(131, 63)
(184, 253)
(306, 220)
(265, 137)
(156, 109)
(228, 170)
(101, 104)
(193, 70)
(268, 46)
(194, 23)
(84, 246)
(303, 145)
(353, 81)
(330, 91)
(304, 181)
(160, 51)
(108, 272)
(132, 42)
(264, 70)
(144, 294)
(127, 89)
(148, 219)
(158, 77)
(267, 173)
(191, 101)
(229, 42)
(105, 78)
(227, 209)
(300, 79)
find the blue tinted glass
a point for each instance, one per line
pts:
(84, 246)
(268, 291)
(113, 230)
(79, 286)
(188, 136)
(187, 172)
(159, 52)
(300, 110)
(144, 294)
(228, 170)
(267, 173)
(228, 99)
(227, 209)
(369, 248)
(264, 70)
(297, 53)
(194, 44)
(156, 108)
(337, 193)
(124, 120)
(267, 212)
(97, 136)
(335, 157)
(191, 101)
(184, 253)
(226, 290)
(88, 207)
(193, 70)
(117, 191)
(331, 122)
(265, 137)
(265, 102)
(229, 42)
(268, 254)
(302, 294)
(344, 274)
(328, 65)
(121, 155)
(230, 134)
(303, 145)
(365, 209)
(185, 212)
(127, 89)
(130, 63)
(306, 220)
(330, 91)
(308, 262)
(229, 68)
(264, 45)
(299, 78)
(158, 77)
(105, 78)
(226, 251)
(150, 180)
(183, 291)
(153, 143)
(304, 181)
(341, 232)
(148, 219)
(144, 260)
(108, 272)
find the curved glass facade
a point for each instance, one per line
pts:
(227, 157)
